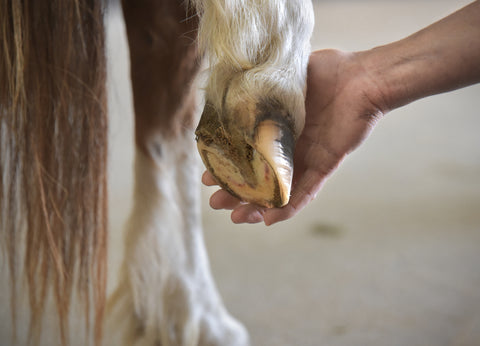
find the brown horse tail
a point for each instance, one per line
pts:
(53, 149)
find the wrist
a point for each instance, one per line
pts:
(377, 87)
(388, 73)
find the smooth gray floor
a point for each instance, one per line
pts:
(389, 253)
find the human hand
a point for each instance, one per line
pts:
(342, 105)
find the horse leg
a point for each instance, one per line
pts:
(255, 97)
(166, 295)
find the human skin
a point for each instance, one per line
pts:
(347, 93)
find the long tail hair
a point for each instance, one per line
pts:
(53, 149)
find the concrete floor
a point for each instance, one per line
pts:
(389, 253)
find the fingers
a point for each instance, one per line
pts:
(208, 179)
(303, 193)
(223, 200)
(248, 213)
(242, 212)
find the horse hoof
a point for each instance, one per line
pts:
(249, 152)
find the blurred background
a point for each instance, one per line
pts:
(389, 252)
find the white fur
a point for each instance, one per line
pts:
(257, 49)
(166, 294)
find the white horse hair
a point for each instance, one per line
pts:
(256, 49)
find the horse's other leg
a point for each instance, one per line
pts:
(166, 294)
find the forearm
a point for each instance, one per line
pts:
(442, 57)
